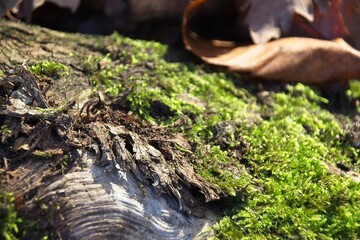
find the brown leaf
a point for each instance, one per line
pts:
(5, 5)
(288, 59)
(268, 19)
(272, 19)
(330, 24)
(70, 4)
(24, 7)
(21, 144)
(351, 12)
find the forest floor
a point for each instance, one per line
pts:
(271, 159)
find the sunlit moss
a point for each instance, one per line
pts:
(354, 88)
(49, 69)
(354, 92)
(272, 167)
(298, 197)
(9, 219)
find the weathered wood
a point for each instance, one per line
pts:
(100, 178)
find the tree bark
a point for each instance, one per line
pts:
(89, 171)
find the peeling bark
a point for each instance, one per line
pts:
(89, 171)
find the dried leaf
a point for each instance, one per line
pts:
(330, 23)
(323, 5)
(268, 19)
(287, 59)
(5, 5)
(70, 4)
(351, 12)
(21, 144)
(272, 19)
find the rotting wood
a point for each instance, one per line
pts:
(87, 199)
(101, 176)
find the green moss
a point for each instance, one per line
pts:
(104, 73)
(273, 167)
(298, 198)
(5, 128)
(49, 69)
(48, 113)
(184, 89)
(140, 50)
(223, 172)
(89, 64)
(354, 88)
(65, 163)
(354, 92)
(2, 74)
(8, 217)
(289, 192)
(12, 226)
(43, 154)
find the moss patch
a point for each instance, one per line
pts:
(267, 157)
(354, 92)
(9, 220)
(274, 167)
(296, 195)
(49, 69)
(354, 88)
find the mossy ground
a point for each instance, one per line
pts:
(266, 151)
(269, 155)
